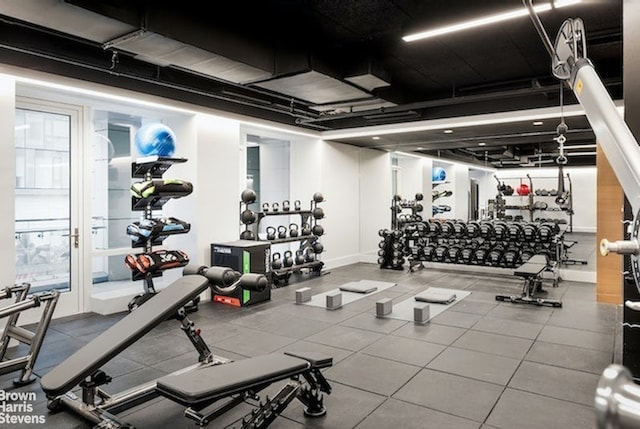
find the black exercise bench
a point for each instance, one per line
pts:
(202, 385)
(532, 272)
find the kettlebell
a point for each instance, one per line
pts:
(276, 262)
(309, 255)
(271, 233)
(286, 205)
(275, 207)
(265, 207)
(282, 231)
(297, 205)
(299, 257)
(293, 230)
(305, 229)
(288, 258)
(317, 230)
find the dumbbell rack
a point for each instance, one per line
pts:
(494, 244)
(390, 253)
(150, 168)
(312, 264)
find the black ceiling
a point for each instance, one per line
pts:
(303, 52)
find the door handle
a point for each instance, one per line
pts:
(76, 237)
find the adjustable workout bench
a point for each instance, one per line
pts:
(532, 272)
(24, 301)
(208, 388)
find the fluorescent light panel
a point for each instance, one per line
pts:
(492, 19)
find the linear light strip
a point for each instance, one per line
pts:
(491, 19)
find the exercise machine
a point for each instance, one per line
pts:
(617, 398)
(532, 272)
(209, 388)
(46, 301)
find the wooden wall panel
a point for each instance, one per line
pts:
(610, 199)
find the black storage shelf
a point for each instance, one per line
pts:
(153, 167)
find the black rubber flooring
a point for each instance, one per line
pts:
(480, 364)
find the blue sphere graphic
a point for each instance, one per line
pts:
(438, 174)
(155, 139)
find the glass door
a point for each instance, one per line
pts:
(47, 208)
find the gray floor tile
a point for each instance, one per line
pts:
(154, 349)
(520, 312)
(513, 328)
(371, 373)
(370, 322)
(254, 343)
(577, 338)
(345, 337)
(398, 414)
(556, 382)
(413, 352)
(431, 332)
(469, 305)
(451, 394)
(456, 318)
(487, 342)
(524, 410)
(477, 365)
(577, 358)
(346, 407)
(589, 316)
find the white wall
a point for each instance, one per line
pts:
(7, 178)
(411, 176)
(460, 191)
(340, 174)
(584, 192)
(375, 200)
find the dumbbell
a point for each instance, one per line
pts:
(441, 253)
(459, 229)
(428, 252)
(466, 254)
(473, 229)
(486, 230)
(453, 254)
(494, 257)
(447, 229)
(479, 256)
(515, 232)
(434, 228)
(526, 253)
(512, 257)
(530, 231)
(499, 230)
(545, 232)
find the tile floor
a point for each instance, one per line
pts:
(481, 364)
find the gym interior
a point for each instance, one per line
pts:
(403, 273)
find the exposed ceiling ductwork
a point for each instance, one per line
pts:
(317, 65)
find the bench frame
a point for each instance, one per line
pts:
(532, 271)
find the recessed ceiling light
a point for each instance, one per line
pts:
(375, 138)
(537, 123)
(448, 131)
(486, 20)
(482, 144)
(419, 148)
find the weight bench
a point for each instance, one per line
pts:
(24, 301)
(198, 386)
(532, 272)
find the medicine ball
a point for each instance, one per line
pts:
(438, 174)
(248, 196)
(508, 190)
(318, 197)
(155, 139)
(419, 196)
(523, 189)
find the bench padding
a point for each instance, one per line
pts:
(533, 267)
(207, 384)
(125, 332)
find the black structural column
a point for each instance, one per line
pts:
(631, 71)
